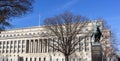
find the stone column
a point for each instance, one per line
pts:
(24, 58)
(33, 58)
(37, 58)
(42, 58)
(28, 58)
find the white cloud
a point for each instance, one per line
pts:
(67, 5)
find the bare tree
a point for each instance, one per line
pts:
(114, 41)
(66, 28)
(13, 8)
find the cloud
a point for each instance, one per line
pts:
(70, 3)
(67, 5)
(62, 7)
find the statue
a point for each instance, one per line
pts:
(96, 33)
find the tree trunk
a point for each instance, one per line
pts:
(66, 57)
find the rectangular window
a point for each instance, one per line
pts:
(30, 59)
(39, 59)
(34, 59)
(62, 59)
(79, 59)
(26, 59)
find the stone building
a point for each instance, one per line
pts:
(27, 44)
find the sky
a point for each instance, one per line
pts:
(109, 10)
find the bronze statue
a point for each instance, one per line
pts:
(96, 33)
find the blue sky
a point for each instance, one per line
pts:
(109, 10)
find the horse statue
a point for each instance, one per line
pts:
(96, 33)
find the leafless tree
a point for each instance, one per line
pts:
(66, 27)
(13, 8)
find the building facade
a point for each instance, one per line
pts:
(31, 44)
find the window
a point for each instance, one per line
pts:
(6, 59)
(3, 42)
(44, 59)
(6, 35)
(87, 43)
(86, 29)
(23, 46)
(29, 33)
(62, 59)
(80, 59)
(81, 48)
(26, 59)
(87, 49)
(33, 33)
(6, 51)
(3, 51)
(7, 42)
(11, 46)
(11, 42)
(21, 34)
(86, 59)
(10, 35)
(57, 59)
(38, 33)
(17, 34)
(19, 46)
(25, 33)
(34, 59)
(73, 59)
(39, 59)
(22, 50)
(7, 46)
(23, 41)
(15, 51)
(54, 54)
(14, 34)
(81, 44)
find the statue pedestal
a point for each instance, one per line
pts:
(95, 43)
(96, 52)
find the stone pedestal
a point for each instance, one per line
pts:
(96, 52)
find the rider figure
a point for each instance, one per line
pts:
(96, 33)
